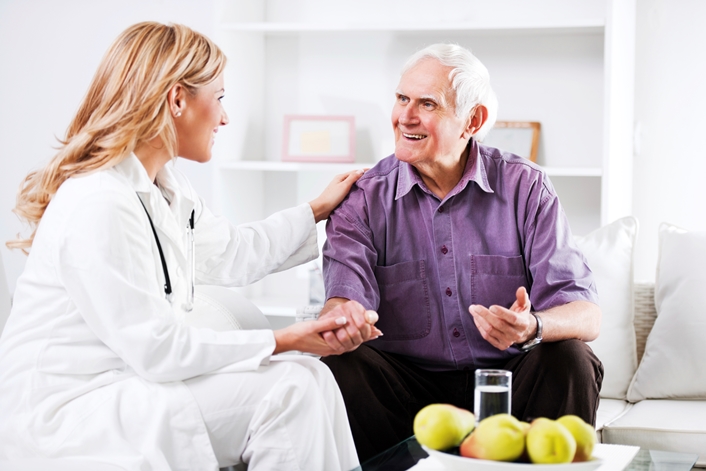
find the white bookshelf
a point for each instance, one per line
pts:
(594, 25)
(273, 166)
(568, 65)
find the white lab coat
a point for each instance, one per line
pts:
(93, 356)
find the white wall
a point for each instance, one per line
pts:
(49, 51)
(670, 107)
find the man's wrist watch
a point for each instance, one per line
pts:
(530, 344)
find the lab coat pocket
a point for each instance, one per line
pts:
(495, 279)
(404, 301)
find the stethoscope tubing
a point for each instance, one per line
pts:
(167, 282)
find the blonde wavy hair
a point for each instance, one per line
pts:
(126, 105)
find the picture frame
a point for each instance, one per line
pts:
(312, 138)
(517, 137)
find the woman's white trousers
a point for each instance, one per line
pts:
(288, 416)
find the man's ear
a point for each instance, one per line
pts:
(475, 121)
(176, 99)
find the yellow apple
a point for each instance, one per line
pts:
(499, 437)
(549, 442)
(442, 426)
(524, 458)
(584, 434)
(525, 426)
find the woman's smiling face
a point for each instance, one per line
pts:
(199, 121)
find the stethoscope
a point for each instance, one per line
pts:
(189, 305)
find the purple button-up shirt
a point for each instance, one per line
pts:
(421, 262)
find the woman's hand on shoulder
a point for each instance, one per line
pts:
(333, 194)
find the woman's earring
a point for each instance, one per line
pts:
(178, 113)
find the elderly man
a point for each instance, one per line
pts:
(449, 241)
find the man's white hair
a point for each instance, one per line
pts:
(469, 79)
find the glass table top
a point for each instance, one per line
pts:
(407, 453)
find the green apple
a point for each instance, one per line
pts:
(584, 434)
(442, 426)
(549, 442)
(500, 437)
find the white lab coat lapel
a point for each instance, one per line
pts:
(180, 206)
(170, 223)
(167, 227)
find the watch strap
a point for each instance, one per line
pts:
(530, 344)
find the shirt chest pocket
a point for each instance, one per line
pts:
(404, 301)
(495, 279)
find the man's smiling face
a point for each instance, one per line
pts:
(424, 119)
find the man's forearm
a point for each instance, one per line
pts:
(574, 320)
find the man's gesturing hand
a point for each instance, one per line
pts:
(504, 327)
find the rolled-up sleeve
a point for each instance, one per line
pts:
(558, 269)
(349, 256)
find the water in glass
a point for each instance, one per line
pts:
(490, 400)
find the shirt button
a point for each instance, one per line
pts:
(444, 250)
(441, 209)
(456, 333)
(448, 292)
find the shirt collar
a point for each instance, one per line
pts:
(182, 201)
(474, 171)
(135, 173)
(132, 169)
(167, 182)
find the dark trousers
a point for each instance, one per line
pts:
(383, 392)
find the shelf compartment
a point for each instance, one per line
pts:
(275, 166)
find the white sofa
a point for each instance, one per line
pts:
(654, 390)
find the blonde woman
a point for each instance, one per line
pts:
(95, 360)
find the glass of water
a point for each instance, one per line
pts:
(493, 393)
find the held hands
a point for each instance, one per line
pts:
(359, 328)
(333, 194)
(340, 330)
(505, 327)
(306, 336)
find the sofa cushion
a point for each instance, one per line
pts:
(661, 424)
(673, 364)
(609, 410)
(609, 251)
